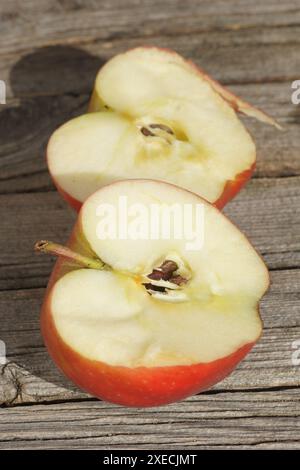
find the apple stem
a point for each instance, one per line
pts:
(45, 246)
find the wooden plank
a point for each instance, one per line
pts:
(52, 85)
(31, 217)
(270, 217)
(39, 23)
(256, 56)
(50, 52)
(31, 377)
(244, 420)
(45, 215)
(48, 85)
(28, 124)
(273, 229)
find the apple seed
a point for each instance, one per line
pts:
(163, 127)
(165, 279)
(146, 132)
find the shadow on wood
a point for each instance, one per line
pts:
(41, 103)
(50, 86)
(47, 70)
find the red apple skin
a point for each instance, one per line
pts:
(67, 197)
(134, 387)
(233, 187)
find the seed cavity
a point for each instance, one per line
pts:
(158, 131)
(165, 280)
(146, 132)
(152, 287)
(163, 127)
(165, 271)
(179, 280)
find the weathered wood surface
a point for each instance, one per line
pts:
(212, 420)
(30, 376)
(27, 123)
(49, 54)
(267, 211)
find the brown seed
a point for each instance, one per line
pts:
(168, 266)
(150, 286)
(178, 280)
(164, 271)
(157, 275)
(163, 127)
(145, 131)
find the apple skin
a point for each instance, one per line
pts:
(67, 197)
(132, 387)
(233, 187)
(137, 387)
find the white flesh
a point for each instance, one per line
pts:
(210, 144)
(110, 317)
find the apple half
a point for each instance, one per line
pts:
(155, 115)
(145, 322)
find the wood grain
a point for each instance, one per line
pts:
(72, 21)
(26, 218)
(50, 82)
(223, 420)
(228, 56)
(26, 125)
(31, 377)
(50, 52)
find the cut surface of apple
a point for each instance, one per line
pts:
(155, 115)
(157, 307)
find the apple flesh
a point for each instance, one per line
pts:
(155, 115)
(148, 322)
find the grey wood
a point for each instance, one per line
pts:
(31, 377)
(26, 218)
(72, 21)
(50, 52)
(27, 123)
(223, 420)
